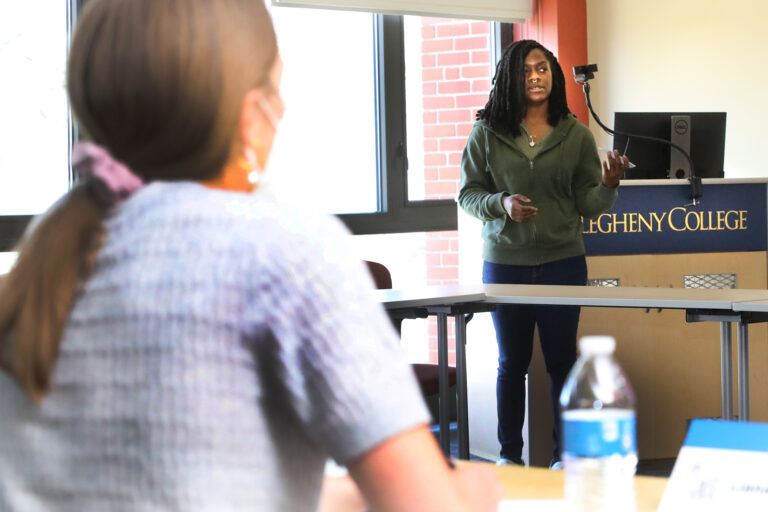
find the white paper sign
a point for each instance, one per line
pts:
(723, 465)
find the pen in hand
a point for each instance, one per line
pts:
(610, 151)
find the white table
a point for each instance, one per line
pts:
(700, 305)
(749, 311)
(723, 305)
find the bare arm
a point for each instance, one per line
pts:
(407, 473)
(341, 494)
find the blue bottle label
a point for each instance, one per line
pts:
(594, 433)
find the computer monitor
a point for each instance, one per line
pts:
(652, 159)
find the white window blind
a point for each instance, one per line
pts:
(507, 11)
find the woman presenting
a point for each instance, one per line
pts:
(530, 172)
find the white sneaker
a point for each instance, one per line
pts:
(503, 461)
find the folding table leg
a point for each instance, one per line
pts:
(726, 371)
(461, 386)
(743, 371)
(443, 384)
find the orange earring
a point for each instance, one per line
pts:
(252, 159)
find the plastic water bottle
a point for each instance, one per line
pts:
(599, 450)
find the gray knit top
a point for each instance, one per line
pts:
(223, 347)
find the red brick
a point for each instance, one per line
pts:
(429, 88)
(452, 356)
(462, 130)
(470, 43)
(429, 118)
(474, 72)
(452, 73)
(433, 259)
(454, 245)
(454, 159)
(440, 189)
(431, 174)
(437, 45)
(431, 74)
(440, 102)
(453, 87)
(440, 197)
(430, 20)
(453, 59)
(481, 85)
(427, 32)
(440, 234)
(449, 174)
(432, 331)
(451, 259)
(454, 116)
(428, 61)
(480, 27)
(453, 144)
(433, 357)
(453, 30)
(430, 145)
(435, 159)
(442, 272)
(481, 57)
(440, 130)
(437, 245)
(472, 100)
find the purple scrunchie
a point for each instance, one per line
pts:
(109, 180)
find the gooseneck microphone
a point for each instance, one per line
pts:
(582, 75)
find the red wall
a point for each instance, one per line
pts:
(561, 26)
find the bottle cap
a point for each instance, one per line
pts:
(597, 344)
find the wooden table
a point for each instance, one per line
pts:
(527, 483)
(520, 483)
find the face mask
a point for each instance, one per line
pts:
(257, 176)
(269, 113)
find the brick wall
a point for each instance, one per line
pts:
(455, 83)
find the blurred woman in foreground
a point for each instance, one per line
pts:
(173, 339)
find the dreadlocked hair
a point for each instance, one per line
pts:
(506, 103)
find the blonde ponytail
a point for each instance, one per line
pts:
(37, 295)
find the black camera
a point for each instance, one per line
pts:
(584, 73)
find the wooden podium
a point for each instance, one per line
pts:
(673, 365)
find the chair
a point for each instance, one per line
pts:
(426, 374)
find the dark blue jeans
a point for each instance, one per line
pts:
(514, 333)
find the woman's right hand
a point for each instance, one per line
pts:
(516, 210)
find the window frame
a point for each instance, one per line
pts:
(12, 226)
(395, 212)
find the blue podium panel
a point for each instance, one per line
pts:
(655, 219)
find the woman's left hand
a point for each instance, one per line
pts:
(614, 168)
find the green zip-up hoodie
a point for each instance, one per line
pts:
(564, 181)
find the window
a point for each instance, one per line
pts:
(35, 132)
(447, 79)
(342, 147)
(373, 149)
(325, 150)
